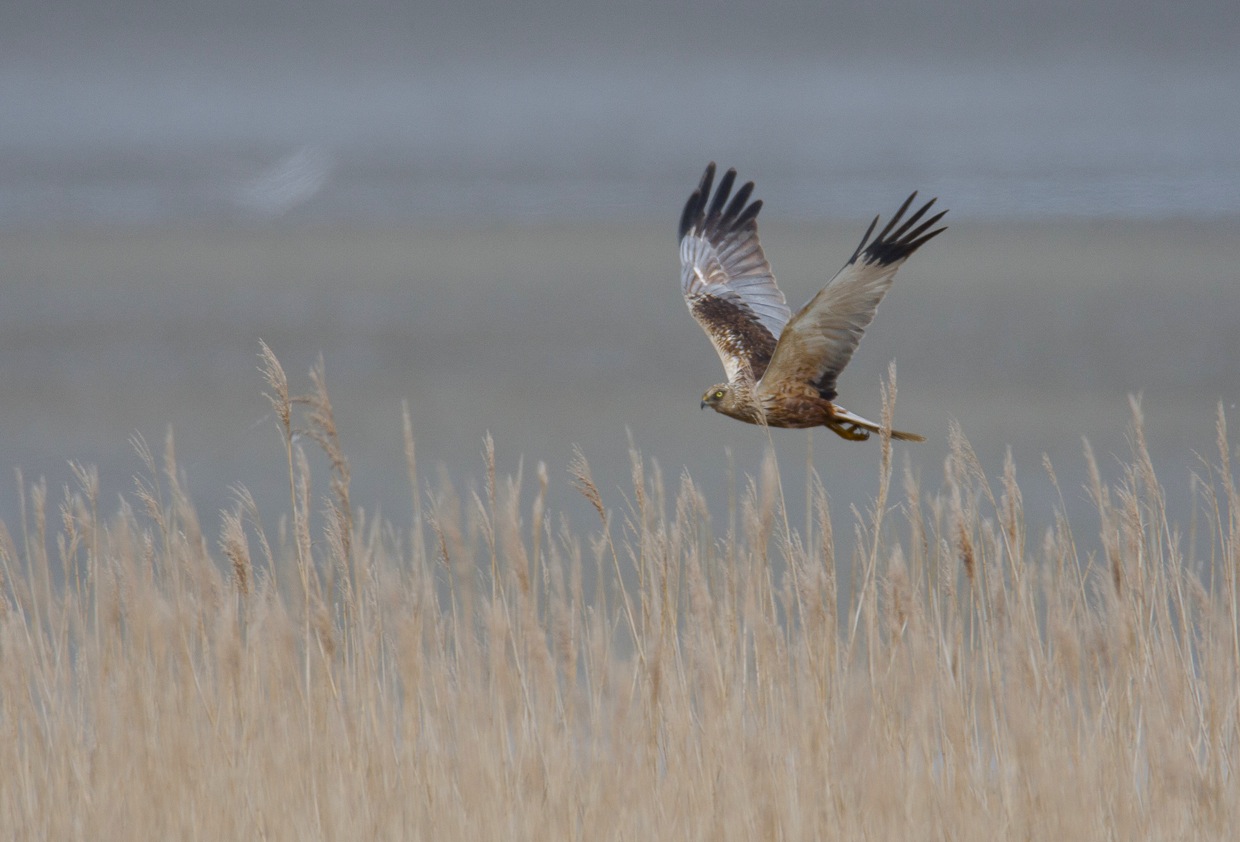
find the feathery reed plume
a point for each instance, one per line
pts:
(583, 481)
(236, 549)
(411, 464)
(961, 518)
(8, 560)
(579, 470)
(321, 429)
(274, 374)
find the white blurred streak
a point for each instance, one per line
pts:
(293, 180)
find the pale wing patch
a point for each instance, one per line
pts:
(743, 277)
(819, 341)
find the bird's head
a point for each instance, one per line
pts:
(715, 396)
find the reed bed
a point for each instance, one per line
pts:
(486, 671)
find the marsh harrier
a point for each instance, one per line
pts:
(729, 287)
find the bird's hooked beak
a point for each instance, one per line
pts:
(702, 405)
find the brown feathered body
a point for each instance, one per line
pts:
(795, 407)
(782, 369)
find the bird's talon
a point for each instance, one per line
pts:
(850, 432)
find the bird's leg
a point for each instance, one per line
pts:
(851, 432)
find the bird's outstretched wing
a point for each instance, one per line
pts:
(819, 341)
(726, 279)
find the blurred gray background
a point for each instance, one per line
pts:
(472, 207)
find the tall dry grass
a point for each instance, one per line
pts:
(490, 673)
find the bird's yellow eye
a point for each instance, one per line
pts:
(718, 395)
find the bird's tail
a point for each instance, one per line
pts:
(855, 428)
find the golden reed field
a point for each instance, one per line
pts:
(479, 669)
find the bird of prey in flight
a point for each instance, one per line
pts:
(782, 369)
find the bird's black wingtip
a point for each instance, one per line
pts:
(715, 214)
(895, 244)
